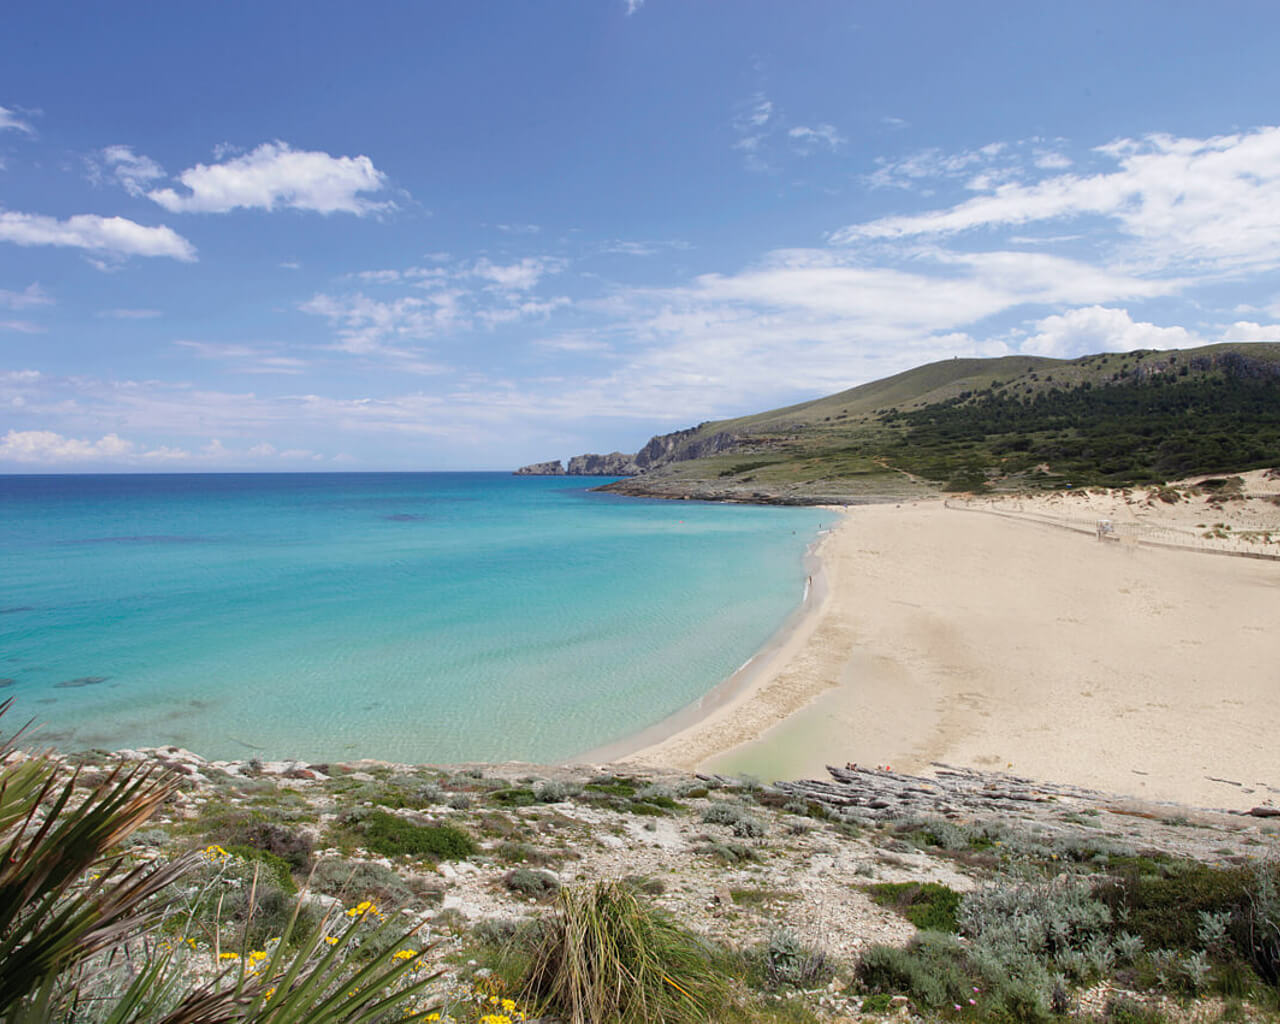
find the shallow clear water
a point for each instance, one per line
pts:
(413, 617)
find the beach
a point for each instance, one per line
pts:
(1019, 641)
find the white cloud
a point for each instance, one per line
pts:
(132, 171)
(1209, 204)
(10, 119)
(245, 358)
(115, 235)
(263, 450)
(1099, 329)
(31, 295)
(807, 139)
(633, 6)
(1245, 330)
(128, 314)
(274, 175)
(21, 326)
(519, 276)
(519, 229)
(929, 165)
(44, 446)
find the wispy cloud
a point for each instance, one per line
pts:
(130, 170)
(114, 235)
(128, 314)
(9, 119)
(274, 176)
(22, 326)
(1210, 204)
(632, 6)
(245, 358)
(31, 295)
(821, 136)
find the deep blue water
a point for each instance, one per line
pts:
(407, 616)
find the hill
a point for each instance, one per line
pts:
(1008, 423)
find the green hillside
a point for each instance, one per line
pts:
(1011, 422)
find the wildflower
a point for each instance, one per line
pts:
(496, 1018)
(228, 956)
(508, 1006)
(332, 940)
(956, 1007)
(364, 907)
(270, 992)
(216, 853)
(973, 1002)
(405, 954)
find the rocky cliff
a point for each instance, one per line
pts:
(553, 468)
(613, 464)
(661, 450)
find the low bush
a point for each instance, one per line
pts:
(352, 881)
(929, 906)
(787, 962)
(393, 836)
(930, 970)
(538, 885)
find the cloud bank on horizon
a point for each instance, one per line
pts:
(450, 247)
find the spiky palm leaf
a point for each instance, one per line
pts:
(53, 835)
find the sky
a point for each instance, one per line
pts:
(315, 236)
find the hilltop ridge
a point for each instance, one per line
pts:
(971, 424)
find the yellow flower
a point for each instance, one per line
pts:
(495, 1018)
(216, 852)
(228, 956)
(331, 939)
(270, 992)
(405, 954)
(508, 1005)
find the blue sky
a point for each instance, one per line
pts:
(459, 235)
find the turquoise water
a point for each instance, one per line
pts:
(411, 617)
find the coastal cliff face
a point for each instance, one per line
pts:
(613, 464)
(553, 468)
(661, 450)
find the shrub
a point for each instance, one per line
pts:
(788, 962)
(393, 836)
(276, 867)
(929, 906)
(550, 791)
(748, 827)
(357, 880)
(538, 885)
(929, 969)
(605, 956)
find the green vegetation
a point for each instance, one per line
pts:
(969, 424)
(605, 956)
(394, 837)
(928, 905)
(75, 910)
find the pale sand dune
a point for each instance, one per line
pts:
(978, 640)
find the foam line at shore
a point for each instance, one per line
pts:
(777, 650)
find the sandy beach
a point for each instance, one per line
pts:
(1005, 641)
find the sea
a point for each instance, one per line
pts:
(413, 617)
